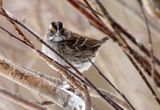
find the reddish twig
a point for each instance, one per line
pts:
(91, 18)
(129, 50)
(150, 40)
(143, 77)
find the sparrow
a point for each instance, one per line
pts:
(75, 48)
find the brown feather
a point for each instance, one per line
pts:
(81, 42)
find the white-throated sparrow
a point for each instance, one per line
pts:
(73, 47)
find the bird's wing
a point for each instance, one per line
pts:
(82, 43)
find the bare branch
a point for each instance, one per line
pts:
(93, 20)
(117, 99)
(152, 63)
(135, 62)
(133, 53)
(36, 83)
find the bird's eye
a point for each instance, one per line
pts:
(62, 30)
(53, 30)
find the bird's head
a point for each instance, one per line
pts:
(55, 32)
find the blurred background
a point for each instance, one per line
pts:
(38, 14)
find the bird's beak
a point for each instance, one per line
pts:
(57, 33)
(52, 37)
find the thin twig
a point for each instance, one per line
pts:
(105, 13)
(112, 96)
(134, 62)
(150, 40)
(140, 45)
(131, 51)
(93, 20)
(140, 60)
(90, 8)
(108, 81)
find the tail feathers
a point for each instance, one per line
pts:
(103, 40)
(100, 42)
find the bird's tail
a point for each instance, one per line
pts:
(100, 42)
(103, 40)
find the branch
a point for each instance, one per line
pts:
(131, 52)
(149, 39)
(114, 97)
(93, 20)
(38, 84)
